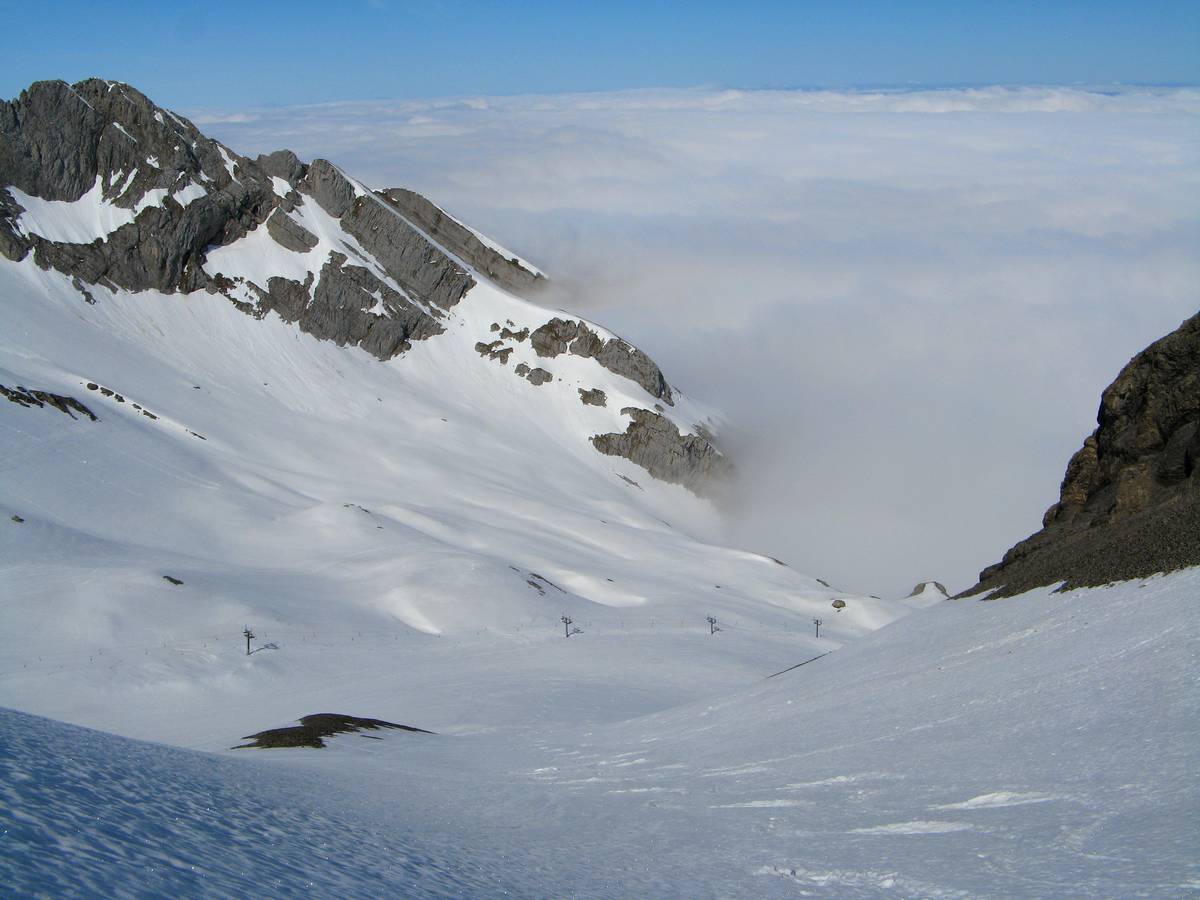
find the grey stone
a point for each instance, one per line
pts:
(463, 243)
(653, 442)
(57, 139)
(593, 397)
(339, 309)
(23, 396)
(1129, 505)
(283, 164)
(565, 335)
(418, 266)
(329, 187)
(289, 233)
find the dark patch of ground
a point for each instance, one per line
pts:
(23, 396)
(313, 729)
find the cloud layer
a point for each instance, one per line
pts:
(905, 304)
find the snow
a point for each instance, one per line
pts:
(188, 193)
(408, 534)
(72, 221)
(229, 161)
(941, 758)
(121, 128)
(91, 217)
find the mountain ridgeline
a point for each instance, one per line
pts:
(100, 184)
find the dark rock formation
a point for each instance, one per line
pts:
(537, 377)
(566, 335)
(289, 233)
(57, 141)
(655, 444)
(1130, 500)
(23, 396)
(463, 242)
(593, 397)
(340, 309)
(313, 729)
(494, 350)
(60, 141)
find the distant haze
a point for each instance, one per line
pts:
(905, 305)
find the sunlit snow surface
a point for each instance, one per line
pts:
(1040, 746)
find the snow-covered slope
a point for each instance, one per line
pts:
(1041, 746)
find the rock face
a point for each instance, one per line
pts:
(655, 444)
(1130, 500)
(464, 243)
(102, 185)
(23, 396)
(566, 335)
(186, 194)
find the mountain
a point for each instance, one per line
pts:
(256, 394)
(1130, 500)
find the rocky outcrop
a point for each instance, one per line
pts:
(593, 397)
(570, 336)
(1130, 501)
(60, 141)
(23, 396)
(537, 376)
(464, 243)
(342, 309)
(653, 442)
(289, 233)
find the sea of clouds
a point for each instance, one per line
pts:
(905, 304)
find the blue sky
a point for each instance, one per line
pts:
(188, 54)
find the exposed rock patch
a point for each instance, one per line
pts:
(1129, 505)
(289, 233)
(565, 335)
(464, 243)
(494, 350)
(654, 443)
(59, 141)
(312, 731)
(23, 396)
(593, 397)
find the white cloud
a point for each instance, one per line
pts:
(906, 303)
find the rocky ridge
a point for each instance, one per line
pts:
(1129, 505)
(159, 206)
